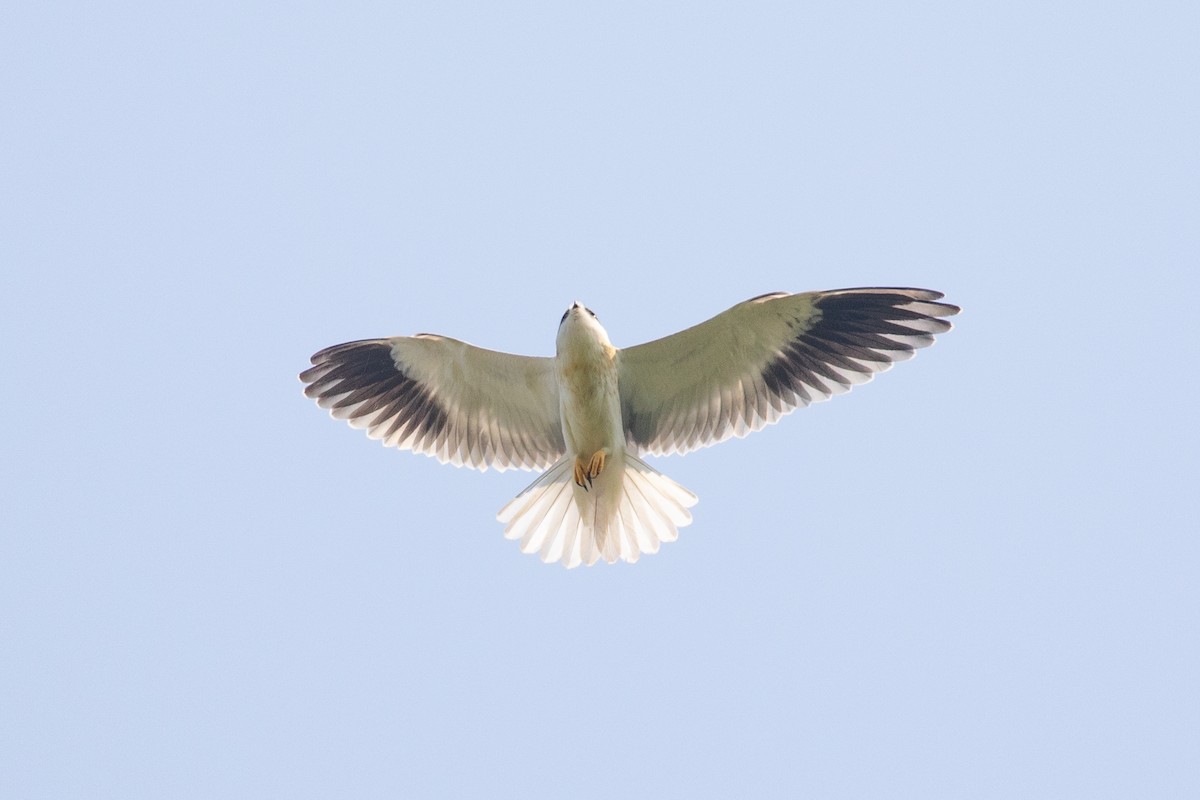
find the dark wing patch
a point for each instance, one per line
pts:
(361, 383)
(854, 334)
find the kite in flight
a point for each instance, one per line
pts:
(587, 414)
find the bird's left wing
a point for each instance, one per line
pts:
(443, 398)
(750, 365)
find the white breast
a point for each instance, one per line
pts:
(586, 365)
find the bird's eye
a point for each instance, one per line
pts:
(564, 316)
(593, 313)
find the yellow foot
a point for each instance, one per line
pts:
(585, 473)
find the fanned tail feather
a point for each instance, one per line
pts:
(625, 513)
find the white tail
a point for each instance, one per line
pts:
(625, 512)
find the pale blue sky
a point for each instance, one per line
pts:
(974, 577)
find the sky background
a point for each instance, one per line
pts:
(974, 577)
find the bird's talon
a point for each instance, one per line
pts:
(596, 465)
(585, 474)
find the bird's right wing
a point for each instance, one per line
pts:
(444, 398)
(750, 365)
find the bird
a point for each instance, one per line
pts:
(585, 417)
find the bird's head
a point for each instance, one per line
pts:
(578, 325)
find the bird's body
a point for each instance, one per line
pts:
(597, 502)
(586, 365)
(587, 414)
